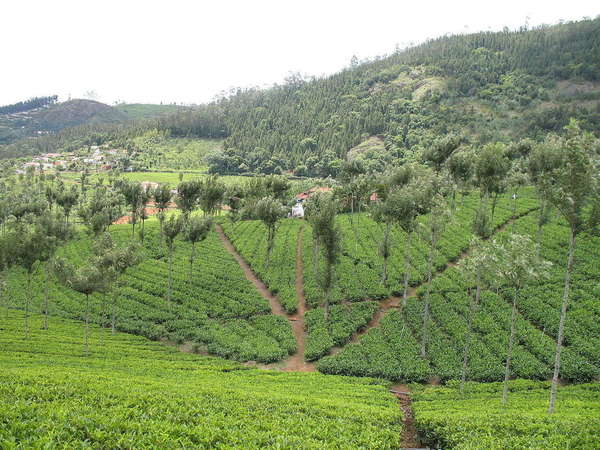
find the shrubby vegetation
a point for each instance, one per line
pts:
(447, 418)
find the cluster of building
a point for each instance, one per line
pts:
(97, 159)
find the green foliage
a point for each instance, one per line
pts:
(447, 418)
(178, 399)
(343, 322)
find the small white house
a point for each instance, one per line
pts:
(298, 210)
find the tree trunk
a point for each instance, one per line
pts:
(407, 258)
(27, 304)
(563, 317)
(270, 239)
(87, 323)
(494, 202)
(538, 235)
(425, 336)
(467, 346)
(170, 288)
(113, 322)
(192, 255)
(46, 294)
(386, 253)
(143, 223)
(511, 339)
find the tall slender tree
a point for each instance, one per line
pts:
(431, 232)
(270, 212)
(196, 230)
(572, 186)
(516, 262)
(171, 229)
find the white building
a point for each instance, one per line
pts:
(298, 210)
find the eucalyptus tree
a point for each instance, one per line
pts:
(431, 231)
(385, 213)
(572, 186)
(460, 168)
(491, 167)
(312, 208)
(544, 158)
(132, 192)
(188, 195)
(57, 231)
(86, 280)
(162, 198)
(329, 237)
(67, 199)
(516, 263)
(196, 230)
(29, 245)
(477, 269)
(516, 179)
(141, 212)
(212, 191)
(171, 229)
(113, 260)
(269, 211)
(101, 209)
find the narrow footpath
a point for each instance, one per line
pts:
(295, 363)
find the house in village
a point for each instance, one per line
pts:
(298, 209)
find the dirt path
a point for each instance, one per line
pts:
(410, 438)
(295, 363)
(274, 303)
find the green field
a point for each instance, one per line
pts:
(218, 310)
(137, 111)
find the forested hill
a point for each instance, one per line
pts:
(455, 90)
(489, 86)
(44, 115)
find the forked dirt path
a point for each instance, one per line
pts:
(295, 363)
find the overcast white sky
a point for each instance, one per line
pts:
(188, 51)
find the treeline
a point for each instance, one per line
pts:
(33, 103)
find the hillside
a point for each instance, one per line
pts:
(55, 117)
(502, 86)
(139, 111)
(477, 88)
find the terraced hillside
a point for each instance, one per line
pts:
(393, 349)
(134, 393)
(217, 310)
(370, 334)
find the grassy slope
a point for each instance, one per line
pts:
(133, 393)
(138, 111)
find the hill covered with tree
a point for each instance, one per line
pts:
(482, 87)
